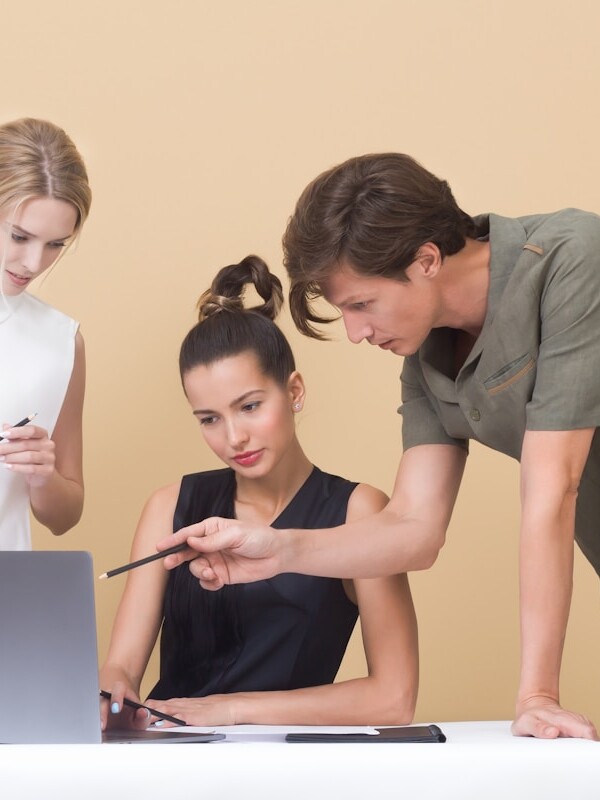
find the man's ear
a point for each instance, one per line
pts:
(429, 259)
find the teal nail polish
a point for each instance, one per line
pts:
(115, 708)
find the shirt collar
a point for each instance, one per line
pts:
(506, 237)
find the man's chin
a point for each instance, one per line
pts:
(402, 351)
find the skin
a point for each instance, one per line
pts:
(409, 532)
(32, 239)
(240, 410)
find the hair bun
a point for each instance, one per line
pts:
(210, 304)
(227, 290)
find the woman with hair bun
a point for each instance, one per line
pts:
(266, 652)
(45, 198)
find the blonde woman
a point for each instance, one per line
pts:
(44, 200)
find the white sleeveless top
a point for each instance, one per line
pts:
(37, 351)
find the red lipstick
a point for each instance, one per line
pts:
(249, 458)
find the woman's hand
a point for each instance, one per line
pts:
(115, 714)
(30, 451)
(544, 718)
(202, 712)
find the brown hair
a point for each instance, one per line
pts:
(226, 328)
(372, 212)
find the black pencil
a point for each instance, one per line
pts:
(126, 567)
(153, 711)
(20, 423)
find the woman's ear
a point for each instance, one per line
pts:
(297, 391)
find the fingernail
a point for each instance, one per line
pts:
(6, 434)
(7, 466)
(159, 723)
(115, 708)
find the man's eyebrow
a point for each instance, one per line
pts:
(235, 402)
(345, 301)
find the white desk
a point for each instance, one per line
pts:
(480, 760)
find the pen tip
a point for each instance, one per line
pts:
(103, 576)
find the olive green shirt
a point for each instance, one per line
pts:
(536, 363)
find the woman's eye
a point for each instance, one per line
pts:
(57, 245)
(16, 237)
(251, 406)
(206, 420)
(360, 306)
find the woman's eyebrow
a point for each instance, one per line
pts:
(235, 402)
(21, 230)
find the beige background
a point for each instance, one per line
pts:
(201, 123)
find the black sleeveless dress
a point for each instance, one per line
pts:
(287, 632)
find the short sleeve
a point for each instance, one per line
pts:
(420, 423)
(566, 394)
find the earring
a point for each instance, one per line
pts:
(297, 406)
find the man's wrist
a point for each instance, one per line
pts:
(290, 551)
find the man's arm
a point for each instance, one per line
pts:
(551, 467)
(407, 535)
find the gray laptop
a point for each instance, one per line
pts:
(49, 690)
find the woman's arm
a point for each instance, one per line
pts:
(387, 696)
(406, 535)
(57, 483)
(552, 463)
(139, 614)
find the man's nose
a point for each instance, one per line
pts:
(357, 330)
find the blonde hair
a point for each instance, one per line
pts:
(38, 159)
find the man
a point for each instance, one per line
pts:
(498, 321)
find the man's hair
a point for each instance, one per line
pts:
(372, 213)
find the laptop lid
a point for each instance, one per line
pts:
(48, 655)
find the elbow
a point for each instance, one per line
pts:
(427, 555)
(394, 700)
(60, 527)
(396, 708)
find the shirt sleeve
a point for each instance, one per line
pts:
(566, 394)
(420, 423)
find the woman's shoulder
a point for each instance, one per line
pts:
(35, 305)
(170, 493)
(365, 500)
(163, 498)
(209, 478)
(47, 319)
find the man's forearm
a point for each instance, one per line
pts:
(381, 545)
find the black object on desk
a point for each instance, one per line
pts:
(407, 733)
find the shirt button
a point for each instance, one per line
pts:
(474, 414)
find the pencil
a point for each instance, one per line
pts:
(112, 572)
(153, 711)
(20, 423)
